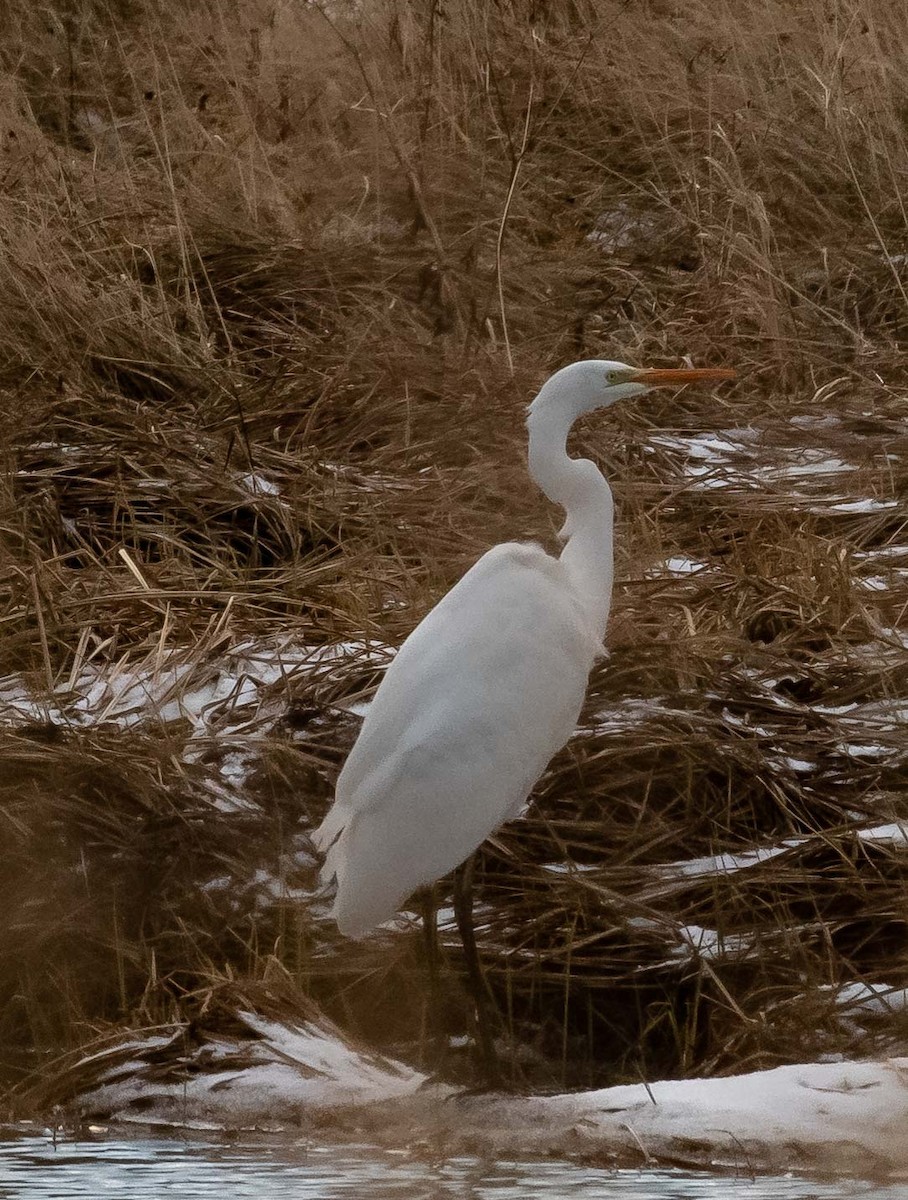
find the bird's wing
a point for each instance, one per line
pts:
(480, 696)
(509, 630)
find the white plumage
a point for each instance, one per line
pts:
(489, 685)
(444, 745)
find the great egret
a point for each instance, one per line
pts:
(490, 684)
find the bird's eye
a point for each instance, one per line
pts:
(611, 377)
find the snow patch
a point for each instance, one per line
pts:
(894, 834)
(699, 943)
(870, 504)
(724, 864)
(258, 485)
(876, 998)
(848, 1117)
(678, 565)
(231, 703)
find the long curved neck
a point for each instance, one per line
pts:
(582, 491)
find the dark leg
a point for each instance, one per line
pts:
(434, 1027)
(483, 1001)
(429, 906)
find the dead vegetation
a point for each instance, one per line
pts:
(276, 281)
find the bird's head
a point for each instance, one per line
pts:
(597, 383)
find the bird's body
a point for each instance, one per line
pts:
(465, 727)
(489, 685)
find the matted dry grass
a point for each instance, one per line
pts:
(276, 281)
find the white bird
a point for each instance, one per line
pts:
(490, 684)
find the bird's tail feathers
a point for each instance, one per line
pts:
(331, 828)
(368, 902)
(369, 889)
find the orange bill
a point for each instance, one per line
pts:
(678, 376)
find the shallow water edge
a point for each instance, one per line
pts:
(139, 1163)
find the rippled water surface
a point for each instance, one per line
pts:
(32, 1167)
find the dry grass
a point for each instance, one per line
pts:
(276, 283)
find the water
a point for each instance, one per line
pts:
(30, 1167)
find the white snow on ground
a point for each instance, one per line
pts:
(801, 766)
(258, 485)
(693, 943)
(231, 701)
(876, 729)
(327, 1057)
(848, 1117)
(736, 459)
(626, 713)
(742, 460)
(895, 577)
(893, 834)
(568, 867)
(697, 942)
(724, 864)
(180, 684)
(889, 565)
(873, 729)
(877, 552)
(810, 421)
(679, 565)
(869, 504)
(860, 1001)
(282, 1068)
